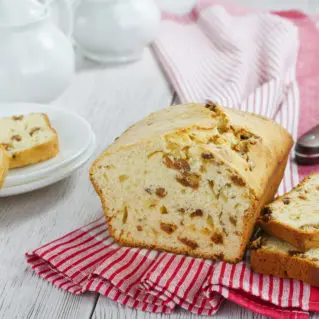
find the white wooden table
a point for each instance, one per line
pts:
(111, 98)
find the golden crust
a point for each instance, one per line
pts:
(284, 266)
(271, 189)
(36, 154)
(4, 166)
(301, 239)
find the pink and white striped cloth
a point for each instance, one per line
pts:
(255, 61)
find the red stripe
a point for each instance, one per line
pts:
(182, 280)
(122, 256)
(241, 277)
(134, 271)
(251, 277)
(62, 252)
(127, 264)
(77, 253)
(159, 277)
(91, 264)
(70, 241)
(66, 235)
(198, 270)
(232, 273)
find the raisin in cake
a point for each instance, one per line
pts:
(191, 179)
(28, 139)
(4, 165)
(271, 256)
(294, 217)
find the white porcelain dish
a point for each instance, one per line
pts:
(115, 31)
(58, 175)
(74, 134)
(37, 61)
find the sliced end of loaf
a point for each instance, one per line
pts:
(271, 256)
(294, 217)
(178, 197)
(28, 139)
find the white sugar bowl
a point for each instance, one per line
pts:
(36, 58)
(115, 31)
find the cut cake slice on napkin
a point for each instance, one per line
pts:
(294, 217)
(28, 139)
(271, 256)
(4, 165)
(191, 179)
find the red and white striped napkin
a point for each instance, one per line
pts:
(255, 61)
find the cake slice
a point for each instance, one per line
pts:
(28, 139)
(191, 179)
(271, 256)
(294, 217)
(4, 165)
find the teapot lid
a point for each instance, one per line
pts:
(19, 12)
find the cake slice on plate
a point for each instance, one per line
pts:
(271, 256)
(191, 179)
(294, 217)
(4, 165)
(28, 139)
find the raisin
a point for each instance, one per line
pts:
(16, 138)
(161, 192)
(237, 180)
(188, 242)
(164, 210)
(139, 227)
(180, 165)
(168, 228)
(197, 212)
(17, 117)
(233, 220)
(266, 214)
(35, 129)
(207, 156)
(286, 200)
(124, 219)
(189, 180)
(211, 106)
(217, 238)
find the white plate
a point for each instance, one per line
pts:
(74, 134)
(58, 175)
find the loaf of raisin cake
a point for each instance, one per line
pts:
(191, 179)
(28, 139)
(271, 256)
(294, 217)
(4, 165)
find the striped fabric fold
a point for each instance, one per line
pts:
(259, 62)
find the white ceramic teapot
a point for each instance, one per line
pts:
(36, 58)
(115, 30)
